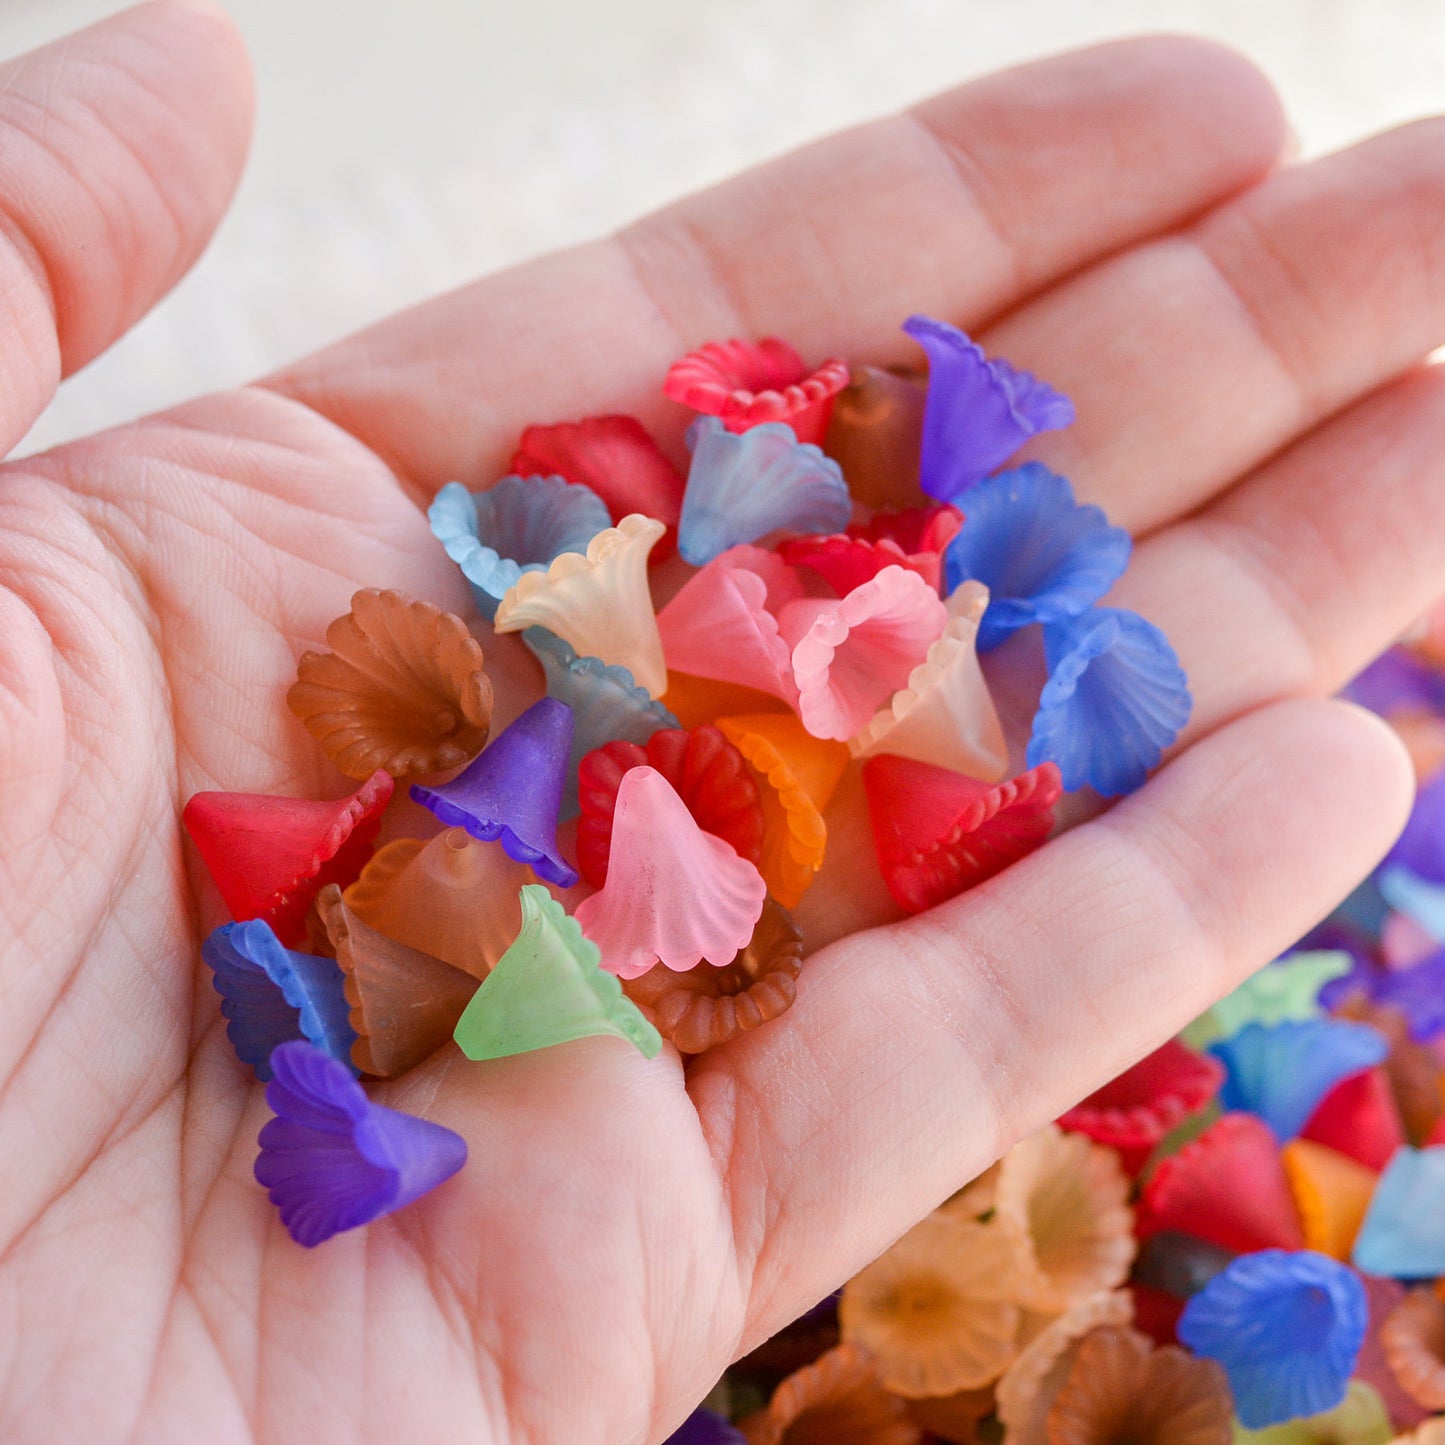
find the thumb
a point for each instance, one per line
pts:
(120, 147)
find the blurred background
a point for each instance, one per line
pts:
(404, 146)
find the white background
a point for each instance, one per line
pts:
(404, 146)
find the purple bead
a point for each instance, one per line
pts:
(1421, 847)
(1417, 992)
(1343, 937)
(978, 413)
(702, 1427)
(513, 791)
(1395, 681)
(331, 1159)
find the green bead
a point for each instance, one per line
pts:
(548, 988)
(1279, 993)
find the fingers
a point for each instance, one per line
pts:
(975, 200)
(916, 1053)
(963, 208)
(1194, 358)
(1293, 581)
(122, 145)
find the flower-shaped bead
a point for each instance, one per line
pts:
(599, 601)
(1115, 699)
(938, 1310)
(979, 411)
(549, 988)
(332, 1160)
(513, 791)
(741, 488)
(851, 654)
(271, 995)
(1135, 1110)
(1228, 1187)
(1286, 1325)
(1404, 1232)
(1282, 1071)
(1121, 1388)
(1067, 1198)
(673, 893)
(944, 714)
(1042, 556)
(723, 625)
(616, 458)
(938, 832)
(746, 384)
(401, 689)
(607, 705)
(520, 525)
(271, 856)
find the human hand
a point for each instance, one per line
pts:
(1243, 351)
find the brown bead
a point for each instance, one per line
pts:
(837, 1400)
(402, 689)
(1123, 1389)
(706, 1006)
(876, 435)
(452, 897)
(1413, 1338)
(955, 1418)
(404, 1003)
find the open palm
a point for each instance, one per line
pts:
(1243, 344)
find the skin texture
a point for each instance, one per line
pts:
(1244, 343)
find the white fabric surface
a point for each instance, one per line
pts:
(405, 147)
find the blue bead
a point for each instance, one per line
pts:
(743, 486)
(1286, 1325)
(1042, 557)
(1115, 699)
(1282, 1071)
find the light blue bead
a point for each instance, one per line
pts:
(742, 487)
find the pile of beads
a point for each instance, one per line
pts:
(1240, 1239)
(844, 563)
